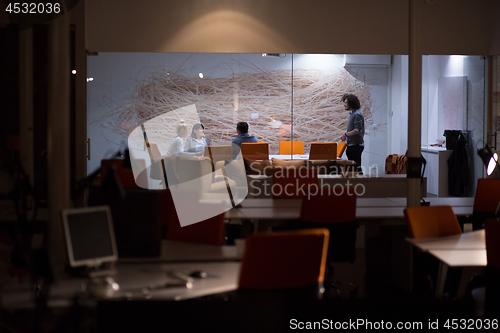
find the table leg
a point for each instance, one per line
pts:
(464, 281)
(441, 279)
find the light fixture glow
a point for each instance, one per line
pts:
(90, 79)
(73, 71)
(492, 164)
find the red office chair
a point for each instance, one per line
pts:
(209, 231)
(486, 201)
(289, 261)
(337, 212)
(291, 182)
(492, 272)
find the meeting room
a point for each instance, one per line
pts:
(164, 171)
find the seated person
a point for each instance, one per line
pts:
(197, 142)
(176, 147)
(243, 137)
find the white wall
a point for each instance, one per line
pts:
(399, 106)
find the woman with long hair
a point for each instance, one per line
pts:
(197, 142)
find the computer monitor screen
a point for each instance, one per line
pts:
(90, 237)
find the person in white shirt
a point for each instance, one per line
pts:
(197, 142)
(177, 144)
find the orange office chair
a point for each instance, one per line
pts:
(255, 151)
(341, 146)
(323, 151)
(294, 182)
(284, 260)
(285, 147)
(431, 221)
(486, 201)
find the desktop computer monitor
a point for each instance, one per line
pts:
(90, 237)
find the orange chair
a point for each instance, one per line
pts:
(341, 146)
(323, 151)
(284, 260)
(486, 201)
(431, 221)
(286, 148)
(294, 182)
(255, 151)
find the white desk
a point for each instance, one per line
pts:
(290, 157)
(288, 203)
(470, 260)
(367, 208)
(467, 251)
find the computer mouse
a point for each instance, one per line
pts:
(198, 274)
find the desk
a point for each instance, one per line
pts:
(174, 251)
(467, 251)
(366, 208)
(134, 274)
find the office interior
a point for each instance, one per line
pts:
(403, 52)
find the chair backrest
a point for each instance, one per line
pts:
(294, 182)
(125, 176)
(431, 221)
(323, 151)
(195, 173)
(154, 151)
(396, 164)
(492, 230)
(329, 206)
(209, 231)
(283, 260)
(341, 146)
(336, 210)
(218, 153)
(255, 151)
(487, 195)
(285, 147)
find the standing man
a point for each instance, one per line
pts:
(355, 129)
(243, 137)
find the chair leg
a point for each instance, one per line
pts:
(332, 284)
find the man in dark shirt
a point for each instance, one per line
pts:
(355, 129)
(243, 137)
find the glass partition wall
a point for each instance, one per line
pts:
(282, 97)
(453, 103)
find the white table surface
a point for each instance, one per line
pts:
(474, 240)
(461, 258)
(133, 278)
(466, 250)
